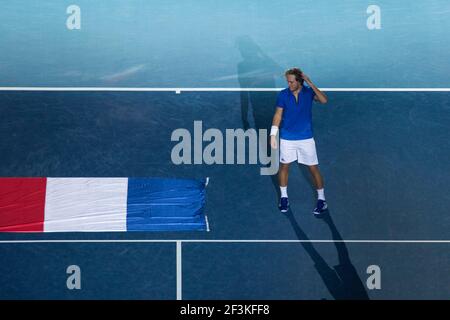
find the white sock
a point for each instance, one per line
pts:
(321, 194)
(283, 192)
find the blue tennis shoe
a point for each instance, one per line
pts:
(321, 207)
(284, 204)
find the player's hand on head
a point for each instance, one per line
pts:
(305, 77)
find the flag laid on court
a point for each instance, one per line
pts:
(102, 204)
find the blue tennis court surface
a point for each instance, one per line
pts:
(70, 106)
(206, 44)
(383, 155)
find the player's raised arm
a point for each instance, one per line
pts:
(320, 96)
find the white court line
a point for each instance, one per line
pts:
(217, 241)
(179, 90)
(179, 272)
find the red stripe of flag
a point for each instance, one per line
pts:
(22, 204)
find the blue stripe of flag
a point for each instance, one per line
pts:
(161, 204)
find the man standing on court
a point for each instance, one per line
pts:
(293, 112)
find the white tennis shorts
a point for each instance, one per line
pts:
(304, 151)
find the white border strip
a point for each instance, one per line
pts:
(207, 223)
(219, 241)
(206, 216)
(179, 90)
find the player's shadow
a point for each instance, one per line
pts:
(342, 280)
(257, 70)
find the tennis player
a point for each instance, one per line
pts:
(293, 120)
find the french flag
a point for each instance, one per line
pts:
(102, 204)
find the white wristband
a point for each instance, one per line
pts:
(274, 131)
